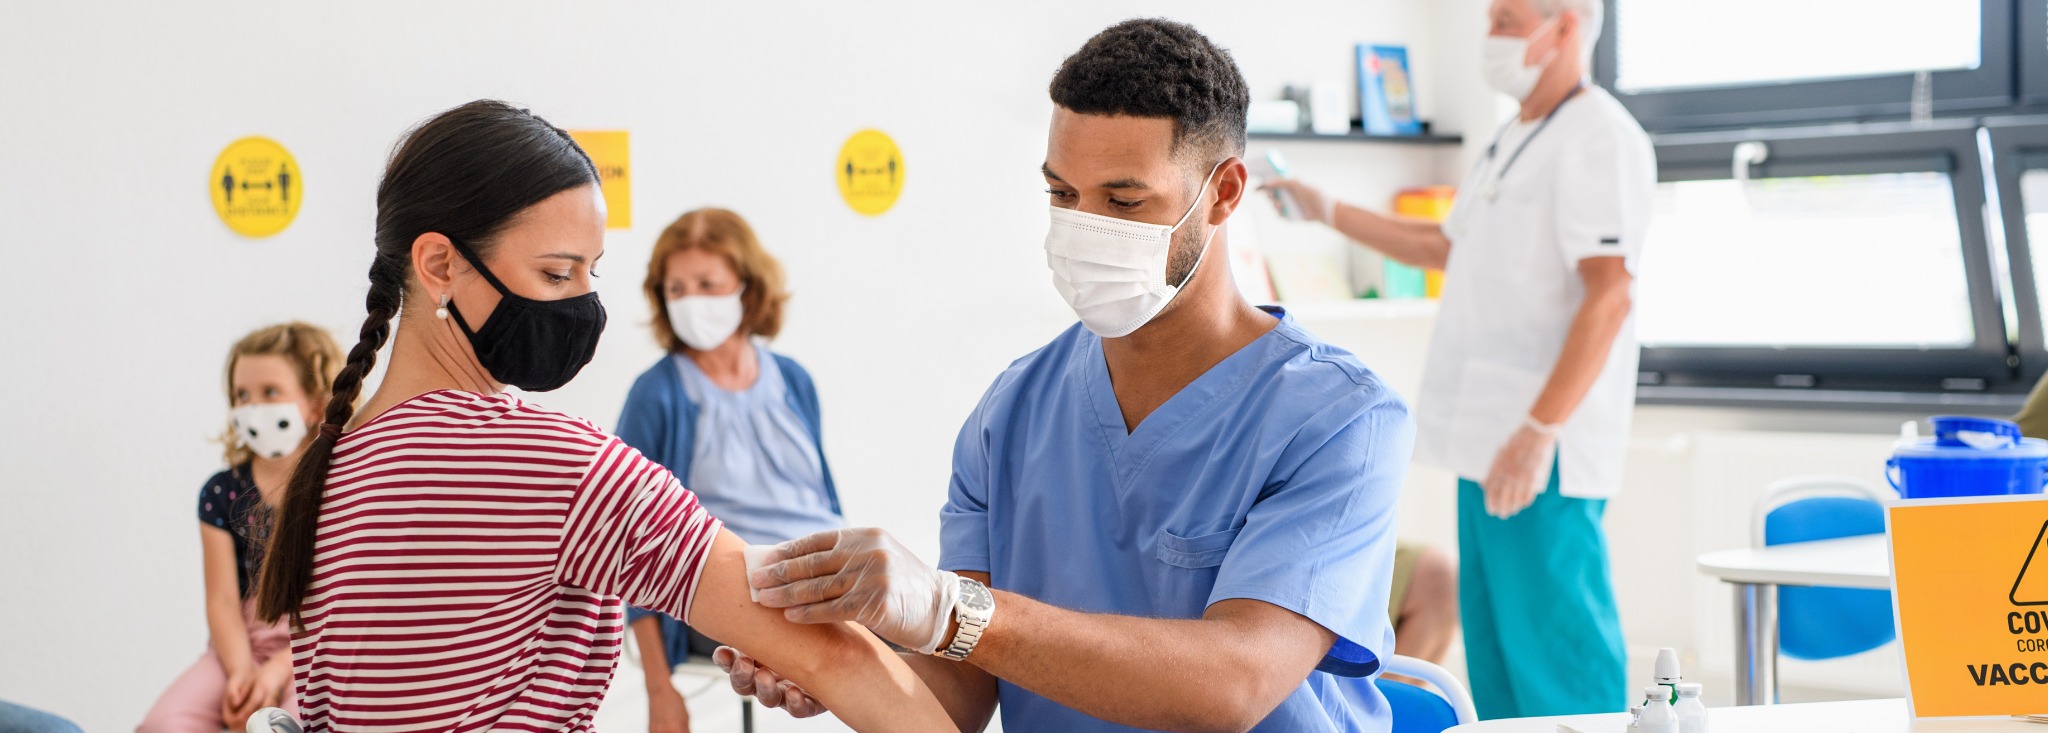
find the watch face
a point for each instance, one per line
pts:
(975, 596)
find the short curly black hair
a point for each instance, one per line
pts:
(1153, 67)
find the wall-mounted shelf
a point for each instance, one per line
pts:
(1376, 309)
(1360, 137)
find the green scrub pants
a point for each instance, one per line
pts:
(1542, 636)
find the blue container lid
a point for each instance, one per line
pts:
(1975, 432)
(1974, 439)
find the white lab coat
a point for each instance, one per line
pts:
(1581, 188)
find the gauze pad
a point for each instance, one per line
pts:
(756, 556)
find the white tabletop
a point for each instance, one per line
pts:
(1859, 716)
(1850, 562)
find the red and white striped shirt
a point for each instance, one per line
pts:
(470, 559)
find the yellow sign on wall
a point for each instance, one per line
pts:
(870, 172)
(1970, 582)
(608, 151)
(257, 187)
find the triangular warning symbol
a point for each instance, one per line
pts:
(2031, 587)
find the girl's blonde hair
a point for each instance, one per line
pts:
(314, 358)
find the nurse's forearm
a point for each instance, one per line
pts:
(1587, 344)
(1226, 671)
(967, 692)
(1416, 242)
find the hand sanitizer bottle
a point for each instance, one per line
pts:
(1658, 716)
(1692, 714)
(1667, 674)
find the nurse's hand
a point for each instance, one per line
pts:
(768, 688)
(1312, 205)
(861, 575)
(1519, 472)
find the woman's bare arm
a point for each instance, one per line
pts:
(842, 665)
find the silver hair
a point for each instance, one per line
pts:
(1590, 17)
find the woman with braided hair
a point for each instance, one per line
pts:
(454, 558)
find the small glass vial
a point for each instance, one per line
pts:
(1692, 714)
(1658, 717)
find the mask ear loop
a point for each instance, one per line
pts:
(478, 263)
(1548, 26)
(1204, 253)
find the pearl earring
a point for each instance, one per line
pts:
(442, 312)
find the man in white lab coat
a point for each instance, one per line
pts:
(1531, 375)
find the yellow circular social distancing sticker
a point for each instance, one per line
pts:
(256, 187)
(870, 172)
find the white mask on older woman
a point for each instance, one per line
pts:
(705, 321)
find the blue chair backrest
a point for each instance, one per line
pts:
(1417, 710)
(1824, 623)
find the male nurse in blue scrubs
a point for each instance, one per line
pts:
(1179, 514)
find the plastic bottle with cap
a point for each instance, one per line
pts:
(1658, 717)
(1667, 674)
(1692, 714)
(1635, 719)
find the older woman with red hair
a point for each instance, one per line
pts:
(737, 422)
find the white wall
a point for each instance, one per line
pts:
(126, 291)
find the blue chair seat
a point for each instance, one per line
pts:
(1417, 710)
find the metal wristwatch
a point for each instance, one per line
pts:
(973, 610)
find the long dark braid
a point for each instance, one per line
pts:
(280, 590)
(466, 174)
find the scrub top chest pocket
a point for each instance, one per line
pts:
(1187, 567)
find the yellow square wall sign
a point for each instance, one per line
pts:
(608, 151)
(1970, 590)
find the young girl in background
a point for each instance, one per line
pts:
(278, 382)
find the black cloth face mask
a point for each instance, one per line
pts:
(535, 345)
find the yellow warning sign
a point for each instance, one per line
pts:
(256, 187)
(608, 151)
(1970, 582)
(870, 172)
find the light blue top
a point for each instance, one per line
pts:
(1272, 477)
(755, 465)
(661, 419)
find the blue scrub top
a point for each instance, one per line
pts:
(1272, 477)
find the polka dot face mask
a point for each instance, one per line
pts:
(271, 430)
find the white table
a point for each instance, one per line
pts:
(1756, 573)
(1859, 716)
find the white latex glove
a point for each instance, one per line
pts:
(748, 677)
(1309, 203)
(1520, 470)
(861, 575)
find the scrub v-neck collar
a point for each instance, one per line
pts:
(1130, 451)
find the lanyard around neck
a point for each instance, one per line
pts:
(1491, 188)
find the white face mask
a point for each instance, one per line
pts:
(1501, 60)
(1112, 271)
(271, 429)
(705, 321)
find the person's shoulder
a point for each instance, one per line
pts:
(520, 412)
(1603, 117)
(1310, 366)
(221, 483)
(458, 413)
(792, 370)
(224, 477)
(1044, 365)
(656, 379)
